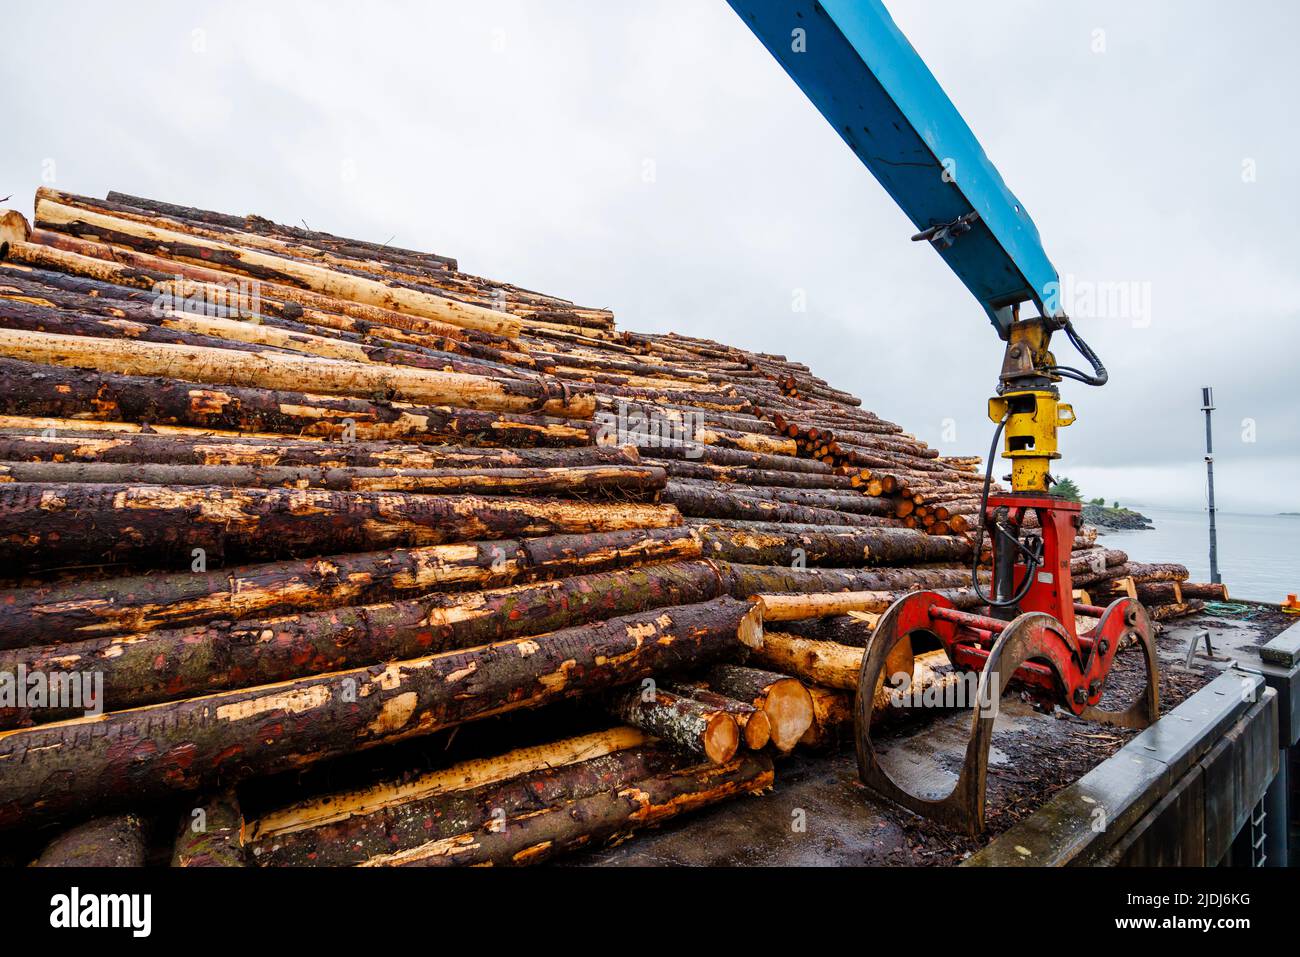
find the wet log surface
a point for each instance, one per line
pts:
(142, 669)
(54, 770)
(45, 526)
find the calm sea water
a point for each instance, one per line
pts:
(1259, 555)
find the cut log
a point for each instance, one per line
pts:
(820, 605)
(144, 669)
(211, 834)
(824, 662)
(750, 580)
(781, 698)
(251, 262)
(629, 482)
(533, 818)
(80, 610)
(1144, 573)
(387, 798)
(86, 444)
(1176, 610)
(117, 841)
(846, 548)
(103, 399)
(56, 770)
(1164, 593)
(755, 727)
(287, 371)
(680, 722)
(162, 525)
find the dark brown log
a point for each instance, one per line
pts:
(93, 609)
(120, 757)
(1177, 610)
(1143, 573)
(117, 841)
(626, 482)
(32, 389)
(783, 699)
(148, 668)
(1164, 593)
(211, 834)
(681, 722)
(866, 546)
(162, 525)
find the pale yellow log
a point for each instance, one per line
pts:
(316, 278)
(14, 227)
(96, 425)
(822, 604)
(242, 330)
(459, 777)
(269, 370)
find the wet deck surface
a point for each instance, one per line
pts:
(818, 814)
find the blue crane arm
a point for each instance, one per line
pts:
(855, 65)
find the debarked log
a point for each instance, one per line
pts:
(288, 370)
(33, 390)
(53, 770)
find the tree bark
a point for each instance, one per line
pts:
(844, 549)
(541, 815)
(681, 722)
(87, 444)
(626, 482)
(117, 841)
(183, 746)
(97, 609)
(35, 390)
(161, 525)
(149, 668)
(211, 834)
(757, 579)
(756, 729)
(260, 265)
(379, 799)
(285, 371)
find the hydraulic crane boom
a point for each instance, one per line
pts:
(857, 68)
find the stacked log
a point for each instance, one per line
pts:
(286, 496)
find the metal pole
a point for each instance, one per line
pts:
(1207, 405)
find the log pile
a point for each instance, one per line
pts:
(285, 500)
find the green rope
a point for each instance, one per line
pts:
(1231, 608)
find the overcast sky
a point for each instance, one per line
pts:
(651, 157)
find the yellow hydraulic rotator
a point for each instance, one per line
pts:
(1031, 405)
